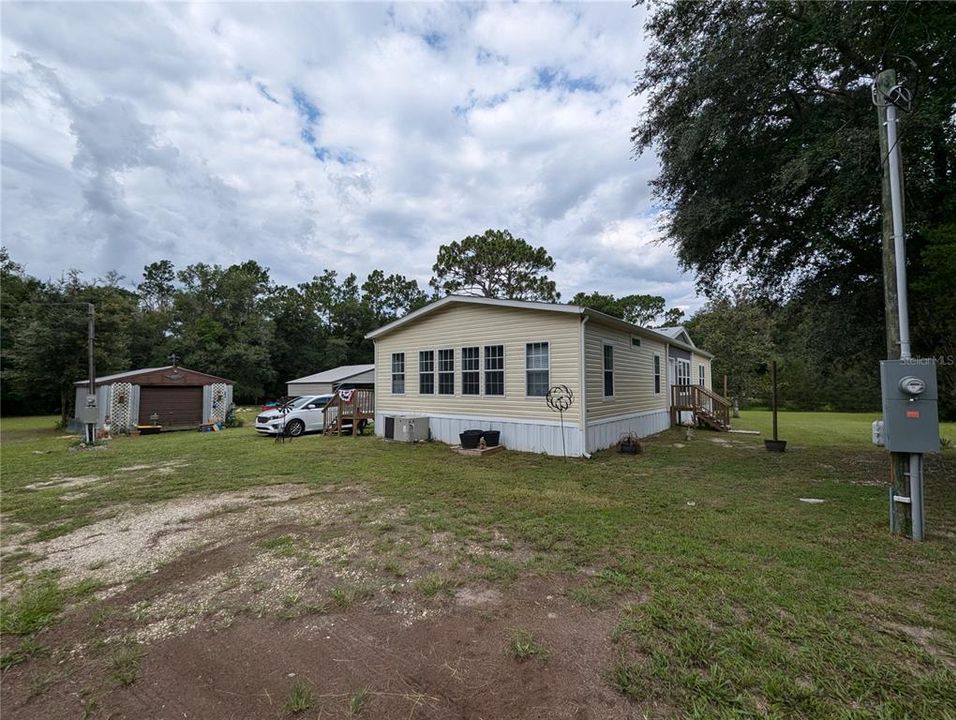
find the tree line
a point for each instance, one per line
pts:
(236, 322)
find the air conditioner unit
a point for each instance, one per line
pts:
(406, 429)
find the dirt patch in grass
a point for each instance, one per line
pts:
(64, 482)
(458, 663)
(219, 603)
(926, 639)
(138, 540)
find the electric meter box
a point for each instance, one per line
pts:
(910, 399)
(87, 415)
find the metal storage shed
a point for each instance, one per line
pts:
(181, 398)
(328, 381)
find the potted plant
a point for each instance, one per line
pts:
(629, 444)
(775, 445)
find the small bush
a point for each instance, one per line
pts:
(232, 420)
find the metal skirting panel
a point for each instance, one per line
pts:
(206, 402)
(526, 437)
(604, 435)
(104, 396)
(134, 406)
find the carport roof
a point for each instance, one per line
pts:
(342, 372)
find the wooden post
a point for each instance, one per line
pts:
(902, 521)
(725, 385)
(90, 339)
(773, 395)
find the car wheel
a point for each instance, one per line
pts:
(295, 428)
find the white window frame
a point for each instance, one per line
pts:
(432, 373)
(687, 377)
(439, 371)
(527, 369)
(485, 370)
(701, 375)
(462, 371)
(604, 372)
(658, 375)
(403, 373)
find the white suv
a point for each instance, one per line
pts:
(305, 416)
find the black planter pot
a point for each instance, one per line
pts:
(491, 437)
(470, 439)
(630, 449)
(775, 445)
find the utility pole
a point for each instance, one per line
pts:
(90, 340)
(885, 82)
(903, 437)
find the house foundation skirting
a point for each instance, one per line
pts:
(603, 434)
(523, 435)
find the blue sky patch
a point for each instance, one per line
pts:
(306, 107)
(341, 156)
(553, 78)
(435, 40)
(264, 91)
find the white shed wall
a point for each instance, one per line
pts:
(294, 389)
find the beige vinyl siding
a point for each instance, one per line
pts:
(696, 361)
(457, 326)
(633, 373)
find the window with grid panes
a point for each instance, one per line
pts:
(426, 372)
(446, 372)
(470, 371)
(494, 369)
(537, 369)
(398, 373)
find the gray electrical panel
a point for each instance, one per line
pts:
(88, 415)
(910, 397)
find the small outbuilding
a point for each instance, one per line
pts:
(175, 397)
(328, 381)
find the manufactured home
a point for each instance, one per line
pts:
(479, 363)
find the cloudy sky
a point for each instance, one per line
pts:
(314, 135)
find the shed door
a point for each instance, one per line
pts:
(176, 406)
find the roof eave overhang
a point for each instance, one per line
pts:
(471, 300)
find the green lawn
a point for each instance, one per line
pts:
(824, 429)
(751, 602)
